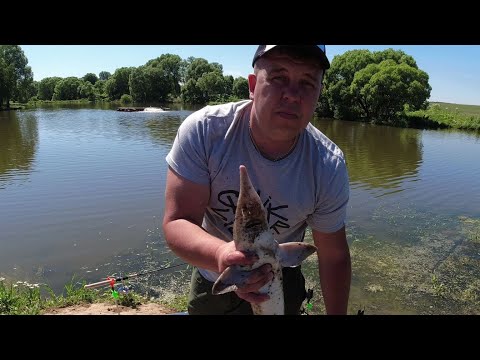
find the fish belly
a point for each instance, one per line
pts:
(275, 305)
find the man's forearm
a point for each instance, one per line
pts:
(335, 278)
(193, 244)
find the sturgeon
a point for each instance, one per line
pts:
(251, 235)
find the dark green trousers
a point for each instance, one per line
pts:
(202, 302)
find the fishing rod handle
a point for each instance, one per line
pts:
(97, 284)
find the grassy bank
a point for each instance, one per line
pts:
(23, 298)
(447, 115)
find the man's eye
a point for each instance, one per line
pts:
(279, 78)
(308, 84)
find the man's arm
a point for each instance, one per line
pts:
(185, 204)
(334, 269)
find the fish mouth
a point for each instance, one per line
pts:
(253, 223)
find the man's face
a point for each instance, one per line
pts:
(285, 92)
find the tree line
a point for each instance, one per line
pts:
(381, 86)
(164, 79)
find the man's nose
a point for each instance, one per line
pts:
(291, 92)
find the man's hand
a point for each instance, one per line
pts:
(227, 256)
(258, 278)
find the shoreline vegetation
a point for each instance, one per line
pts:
(23, 298)
(438, 115)
(447, 115)
(380, 87)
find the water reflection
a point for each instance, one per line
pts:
(18, 143)
(164, 130)
(160, 127)
(377, 156)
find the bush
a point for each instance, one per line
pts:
(126, 99)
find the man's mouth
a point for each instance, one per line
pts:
(288, 115)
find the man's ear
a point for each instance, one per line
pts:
(322, 82)
(252, 82)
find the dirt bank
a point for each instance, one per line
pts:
(109, 309)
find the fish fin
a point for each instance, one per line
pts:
(229, 279)
(291, 254)
(222, 288)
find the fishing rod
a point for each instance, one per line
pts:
(112, 280)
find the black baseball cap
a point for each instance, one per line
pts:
(316, 50)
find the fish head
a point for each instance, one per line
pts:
(250, 215)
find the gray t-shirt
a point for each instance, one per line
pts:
(308, 187)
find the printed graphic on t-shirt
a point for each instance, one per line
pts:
(228, 198)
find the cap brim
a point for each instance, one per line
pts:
(314, 50)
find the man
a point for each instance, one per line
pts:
(300, 175)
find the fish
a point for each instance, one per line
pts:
(252, 236)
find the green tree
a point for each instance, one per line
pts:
(374, 86)
(338, 79)
(118, 83)
(99, 87)
(383, 90)
(46, 87)
(191, 93)
(104, 75)
(139, 85)
(3, 80)
(170, 67)
(228, 81)
(67, 89)
(150, 84)
(28, 91)
(212, 86)
(91, 77)
(199, 66)
(86, 91)
(204, 81)
(183, 69)
(17, 76)
(160, 85)
(240, 88)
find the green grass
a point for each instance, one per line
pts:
(455, 116)
(473, 110)
(178, 302)
(23, 298)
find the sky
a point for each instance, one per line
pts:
(454, 70)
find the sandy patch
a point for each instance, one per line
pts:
(109, 309)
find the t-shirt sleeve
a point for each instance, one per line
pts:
(188, 154)
(331, 210)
